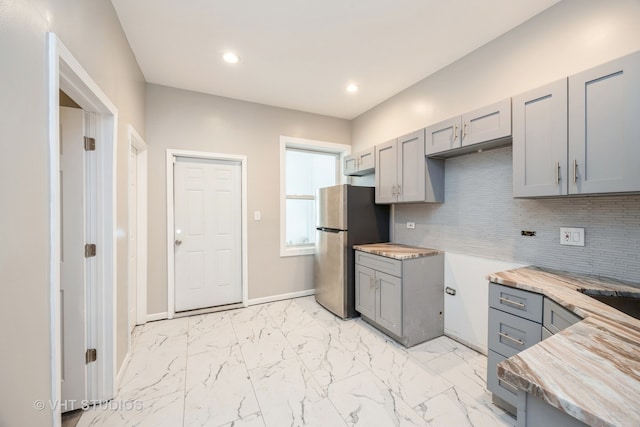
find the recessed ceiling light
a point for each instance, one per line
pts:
(352, 88)
(230, 57)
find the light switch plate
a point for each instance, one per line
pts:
(572, 236)
(411, 225)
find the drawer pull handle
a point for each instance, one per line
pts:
(509, 386)
(517, 341)
(516, 303)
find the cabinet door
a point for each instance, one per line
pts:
(366, 161)
(386, 172)
(540, 141)
(411, 167)
(365, 285)
(389, 302)
(350, 165)
(443, 136)
(487, 123)
(604, 128)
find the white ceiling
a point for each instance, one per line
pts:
(301, 54)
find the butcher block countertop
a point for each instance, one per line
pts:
(590, 370)
(397, 251)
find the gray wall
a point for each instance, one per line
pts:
(479, 216)
(186, 120)
(92, 33)
(569, 37)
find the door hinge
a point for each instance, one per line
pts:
(89, 250)
(89, 144)
(91, 355)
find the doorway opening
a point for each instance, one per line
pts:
(100, 122)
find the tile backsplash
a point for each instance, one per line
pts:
(480, 217)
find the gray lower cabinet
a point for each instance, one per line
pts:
(534, 412)
(403, 298)
(515, 324)
(518, 320)
(556, 318)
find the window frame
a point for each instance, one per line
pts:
(341, 150)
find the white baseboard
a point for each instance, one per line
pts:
(254, 301)
(121, 372)
(281, 297)
(157, 316)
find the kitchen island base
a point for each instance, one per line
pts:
(402, 296)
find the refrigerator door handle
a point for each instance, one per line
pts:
(329, 230)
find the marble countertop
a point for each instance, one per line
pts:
(397, 251)
(590, 370)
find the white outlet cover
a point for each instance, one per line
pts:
(572, 236)
(411, 225)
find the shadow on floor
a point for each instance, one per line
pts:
(71, 418)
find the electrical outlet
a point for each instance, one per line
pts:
(571, 236)
(411, 225)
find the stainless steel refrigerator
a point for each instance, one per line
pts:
(346, 216)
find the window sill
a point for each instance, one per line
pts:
(297, 251)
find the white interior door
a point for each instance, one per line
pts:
(72, 265)
(207, 233)
(133, 236)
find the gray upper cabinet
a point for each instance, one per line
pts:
(386, 172)
(411, 168)
(489, 125)
(403, 175)
(604, 128)
(443, 136)
(540, 141)
(360, 163)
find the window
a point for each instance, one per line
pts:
(305, 166)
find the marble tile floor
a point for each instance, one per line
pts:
(293, 363)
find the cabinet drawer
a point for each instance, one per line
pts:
(500, 388)
(509, 334)
(380, 263)
(556, 318)
(516, 301)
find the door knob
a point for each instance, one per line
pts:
(178, 242)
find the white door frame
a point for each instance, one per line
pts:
(66, 73)
(137, 142)
(171, 155)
